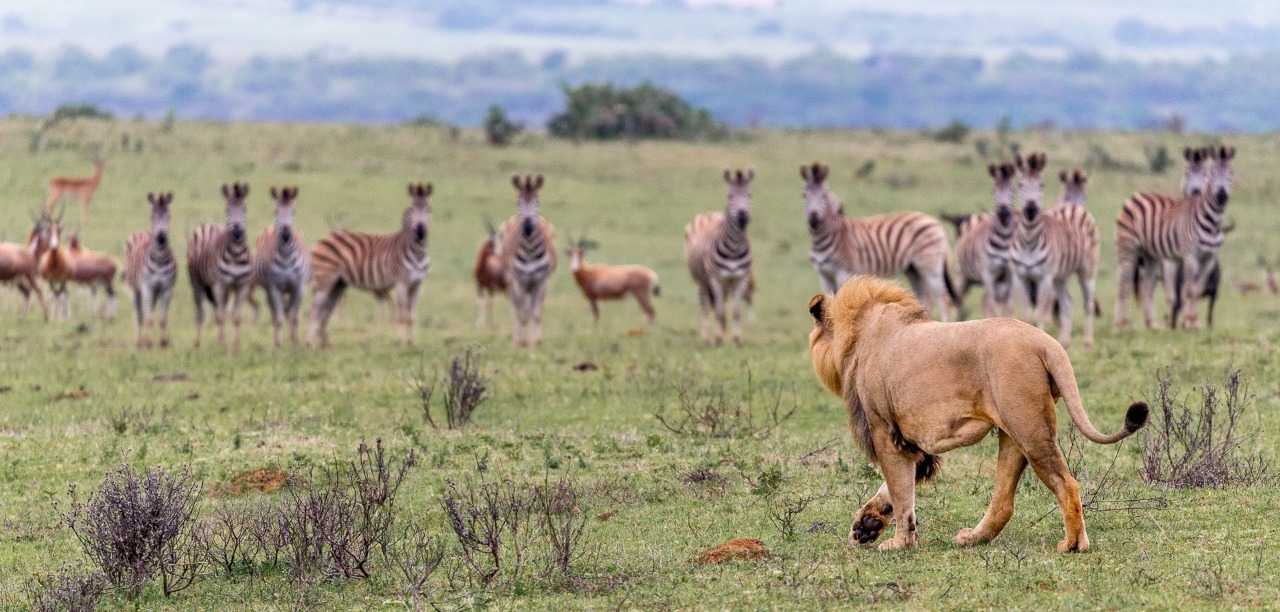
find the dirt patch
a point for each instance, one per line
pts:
(263, 480)
(179, 377)
(73, 394)
(744, 549)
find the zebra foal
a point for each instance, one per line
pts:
(220, 266)
(983, 242)
(282, 265)
(151, 271)
(526, 250)
(719, 256)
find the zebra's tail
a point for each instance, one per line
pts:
(956, 297)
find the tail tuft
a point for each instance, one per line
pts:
(1136, 417)
(657, 290)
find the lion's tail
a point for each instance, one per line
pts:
(1063, 376)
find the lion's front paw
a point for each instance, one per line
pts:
(1067, 546)
(969, 537)
(868, 525)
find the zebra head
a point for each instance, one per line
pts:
(1221, 177)
(738, 208)
(1073, 186)
(1031, 184)
(160, 216)
(1002, 192)
(527, 202)
(1195, 179)
(818, 200)
(417, 218)
(237, 213)
(284, 197)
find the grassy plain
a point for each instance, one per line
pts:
(223, 414)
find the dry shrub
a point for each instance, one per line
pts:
(1189, 447)
(73, 588)
(134, 527)
(466, 389)
(708, 412)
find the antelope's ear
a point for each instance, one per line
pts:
(817, 308)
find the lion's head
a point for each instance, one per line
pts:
(838, 321)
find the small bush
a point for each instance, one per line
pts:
(228, 537)
(1190, 447)
(498, 129)
(73, 588)
(1158, 159)
(489, 519)
(132, 527)
(707, 412)
(955, 132)
(468, 388)
(416, 555)
(600, 111)
(66, 112)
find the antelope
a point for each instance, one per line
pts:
(61, 265)
(604, 282)
(20, 264)
(488, 275)
(81, 187)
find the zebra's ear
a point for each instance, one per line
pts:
(1226, 153)
(426, 189)
(821, 170)
(993, 170)
(804, 172)
(537, 183)
(275, 195)
(151, 197)
(515, 180)
(1080, 177)
(291, 193)
(168, 198)
(226, 191)
(1186, 153)
(241, 190)
(1062, 176)
(817, 308)
(751, 175)
(728, 176)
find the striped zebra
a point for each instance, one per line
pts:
(526, 250)
(909, 243)
(381, 264)
(719, 256)
(983, 242)
(151, 271)
(282, 265)
(1073, 184)
(220, 266)
(1050, 247)
(1155, 231)
(1221, 177)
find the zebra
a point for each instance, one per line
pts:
(282, 265)
(1049, 247)
(151, 271)
(381, 264)
(526, 249)
(983, 242)
(1221, 177)
(719, 255)
(1155, 230)
(910, 243)
(220, 265)
(1073, 184)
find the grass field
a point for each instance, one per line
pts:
(64, 386)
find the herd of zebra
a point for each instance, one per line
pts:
(1023, 254)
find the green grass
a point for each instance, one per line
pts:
(237, 412)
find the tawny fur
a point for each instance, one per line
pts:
(489, 278)
(78, 187)
(74, 264)
(604, 282)
(915, 389)
(19, 264)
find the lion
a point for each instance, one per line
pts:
(916, 388)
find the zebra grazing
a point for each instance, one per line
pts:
(282, 265)
(151, 271)
(719, 255)
(909, 243)
(1052, 245)
(526, 250)
(1155, 230)
(387, 263)
(220, 265)
(982, 245)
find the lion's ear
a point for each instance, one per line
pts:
(816, 307)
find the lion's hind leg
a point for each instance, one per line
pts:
(1039, 443)
(1009, 467)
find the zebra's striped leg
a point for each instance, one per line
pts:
(704, 304)
(1045, 295)
(520, 314)
(936, 286)
(141, 318)
(1088, 291)
(237, 298)
(275, 301)
(538, 298)
(718, 306)
(411, 293)
(739, 293)
(291, 311)
(1064, 310)
(1147, 276)
(1169, 272)
(1192, 287)
(1126, 268)
(165, 295)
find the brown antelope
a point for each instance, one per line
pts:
(488, 275)
(80, 187)
(71, 263)
(602, 282)
(20, 264)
